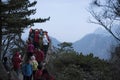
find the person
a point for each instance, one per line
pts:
(36, 38)
(46, 75)
(34, 66)
(30, 49)
(31, 34)
(27, 70)
(39, 54)
(41, 38)
(16, 60)
(6, 64)
(41, 32)
(38, 74)
(48, 38)
(45, 44)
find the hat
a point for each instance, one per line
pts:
(32, 57)
(45, 32)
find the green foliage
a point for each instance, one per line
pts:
(14, 18)
(65, 46)
(15, 15)
(74, 66)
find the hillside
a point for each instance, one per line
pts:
(98, 43)
(73, 66)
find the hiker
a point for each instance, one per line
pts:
(16, 60)
(41, 32)
(39, 54)
(31, 34)
(45, 44)
(46, 75)
(41, 39)
(34, 66)
(30, 49)
(27, 70)
(36, 38)
(38, 74)
(6, 64)
(46, 33)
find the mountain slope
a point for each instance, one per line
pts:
(98, 44)
(55, 42)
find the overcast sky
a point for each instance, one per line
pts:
(69, 18)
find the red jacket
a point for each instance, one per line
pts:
(38, 74)
(16, 61)
(39, 55)
(36, 37)
(48, 77)
(52, 77)
(30, 47)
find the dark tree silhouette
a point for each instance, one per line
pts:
(15, 17)
(107, 14)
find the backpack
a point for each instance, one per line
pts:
(38, 75)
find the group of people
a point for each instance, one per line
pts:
(33, 70)
(37, 47)
(39, 39)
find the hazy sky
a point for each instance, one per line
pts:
(69, 18)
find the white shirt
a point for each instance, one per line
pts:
(45, 40)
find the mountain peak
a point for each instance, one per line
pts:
(101, 31)
(96, 43)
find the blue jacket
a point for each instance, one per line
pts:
(27, 69)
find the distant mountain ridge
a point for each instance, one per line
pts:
(97, 43)
(101, 31)
(55, 42)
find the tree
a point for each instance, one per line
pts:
(15, 17)
(74, 66)
(107, 14)
(65, 46)
(11, 42)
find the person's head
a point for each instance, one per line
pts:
(37, 31)
(27, 61)
(33, 57)
(39, 49)
(41, 29)
(30, 30)
(45, 32)
(28, 41)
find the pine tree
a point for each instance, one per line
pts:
(15, 16)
